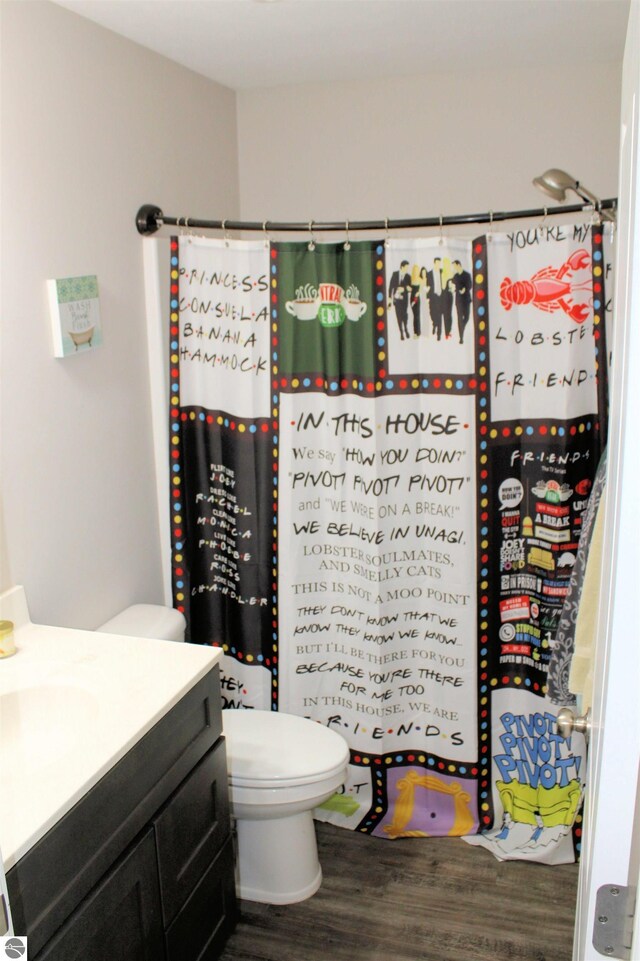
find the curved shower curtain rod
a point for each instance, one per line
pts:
(150, 219)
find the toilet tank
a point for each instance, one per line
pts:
(147, 620)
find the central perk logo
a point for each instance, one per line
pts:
(329, 303)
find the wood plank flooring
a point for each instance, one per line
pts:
(415, 899)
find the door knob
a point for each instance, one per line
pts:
(569, 723)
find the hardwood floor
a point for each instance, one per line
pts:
(415, 899)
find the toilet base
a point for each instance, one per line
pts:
(277, 859)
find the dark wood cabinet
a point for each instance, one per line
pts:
(121, 918)
(141, 869)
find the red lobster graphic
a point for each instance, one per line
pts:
(551, 288)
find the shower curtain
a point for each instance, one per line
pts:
(381, 455)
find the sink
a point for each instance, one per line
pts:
(18, 673)
(42, 723)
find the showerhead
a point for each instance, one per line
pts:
(555, 184)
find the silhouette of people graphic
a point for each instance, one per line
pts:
(461, 287)
(399, 294)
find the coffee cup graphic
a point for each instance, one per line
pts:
(303, 309)
(305, 306)
(354, 309)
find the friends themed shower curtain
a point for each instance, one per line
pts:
(381, 456)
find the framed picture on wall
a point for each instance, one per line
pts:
(75, 315)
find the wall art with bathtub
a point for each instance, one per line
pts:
(381, 457)
(74, 306)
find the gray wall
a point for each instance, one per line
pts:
(92, 127)
(449, 143)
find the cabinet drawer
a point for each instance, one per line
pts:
(191, 829)
(201, 928)
(120, 918)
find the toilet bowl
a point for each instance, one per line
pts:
(280, 767)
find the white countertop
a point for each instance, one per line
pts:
(72, 703)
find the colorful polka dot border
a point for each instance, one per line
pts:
(223, 419)
(599, 326)
(314, 382)
(380, 320)
(273, 267)
(537, 429)
(480, 287)
(179, 573)
(408, 758)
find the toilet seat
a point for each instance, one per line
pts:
(269, 749)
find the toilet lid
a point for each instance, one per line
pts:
(265, 746)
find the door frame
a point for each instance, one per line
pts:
(611, 833)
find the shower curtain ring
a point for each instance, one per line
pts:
(490, 234)
(544, 219)
(267, 238)
(441, 241)
(347, 245)
(312, 243)
(387, 239)
(224, 233)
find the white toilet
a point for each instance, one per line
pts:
(147, 620)
(280, 767)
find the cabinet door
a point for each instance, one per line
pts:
(191, 830)
(120, 920)
(207, 919)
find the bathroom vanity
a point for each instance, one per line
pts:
(119, 851)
